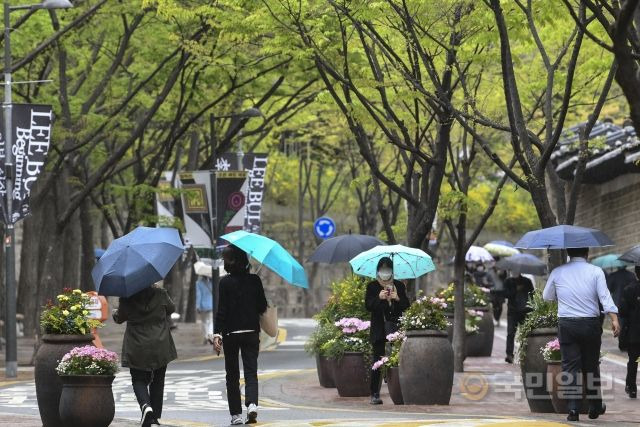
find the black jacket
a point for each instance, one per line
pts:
(147, 343)
(629, 311)
(381, 310)
(241, 302)
(517, 291)
(617, 282)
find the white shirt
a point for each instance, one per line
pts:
(578, 286)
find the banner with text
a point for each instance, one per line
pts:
(196, 188)
(255, 164)
(31, 128)
(230, 200)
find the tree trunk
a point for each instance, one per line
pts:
(459, 330)
(88, 256)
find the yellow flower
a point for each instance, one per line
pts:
(77, 291)
(75, 307)
(85, 312)
(65, 312)
(61, 297)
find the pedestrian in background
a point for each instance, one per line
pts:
(204, 306)
(147, 347)
(618, 281)
(578, 287)
(237, 329)
(518, 289)
(630, 317)
(497, 292)
(386, 299)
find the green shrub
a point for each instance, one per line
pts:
(544, 314)
(474, 295)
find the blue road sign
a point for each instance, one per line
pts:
(324, 227)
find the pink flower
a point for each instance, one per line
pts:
(379, 363)
(553, 345)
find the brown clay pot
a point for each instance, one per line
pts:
(87, 400)
(426, 368)
(393, 384)
(352, 376)
(48, 383)
(480, 344)
(554, 377)
(325, 368)
(534, 371)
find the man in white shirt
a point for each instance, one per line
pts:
(578, 287)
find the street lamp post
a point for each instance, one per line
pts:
(11, 359)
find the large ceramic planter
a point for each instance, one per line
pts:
(325, 368)
(554, 377)
(480, 344)
(48, 383)
(87, 400)
(352, 375)
(534, 371)
(393, 384)
(426, 368)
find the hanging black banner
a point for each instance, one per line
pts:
(230, 199)
(31, 128)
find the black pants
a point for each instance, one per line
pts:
(497, 300)
(148, 387)
(580, 341)
(248, 345)
(633, 349)
(376, 376)
(513, 320)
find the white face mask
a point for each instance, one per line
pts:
(481, 268)
(385, 274)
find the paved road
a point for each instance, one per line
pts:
(195, 394)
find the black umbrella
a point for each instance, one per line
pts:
(343, 248)
(632, 255)
(523, 264)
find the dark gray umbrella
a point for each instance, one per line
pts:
(523, 264)
(632, 255)
(563, 237)
(343, 248)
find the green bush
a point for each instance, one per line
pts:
(474, 295)
(544, 314)
(325, 332)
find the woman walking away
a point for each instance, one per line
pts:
(630, 314)
(148, 347)
(237, 328)
(386, 299)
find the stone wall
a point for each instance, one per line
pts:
(614, 208)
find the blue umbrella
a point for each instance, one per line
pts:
(408, 263)
(343, 248)
(271, 254)
(98, 252)
(137, 260)
(563, 237)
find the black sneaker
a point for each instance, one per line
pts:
(147, 416)
(573, 416)
(508, 359)
(632, 392)
(375, 399)
(596, 412)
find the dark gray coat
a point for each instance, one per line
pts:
(147, 344)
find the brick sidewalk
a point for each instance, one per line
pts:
(504, 398)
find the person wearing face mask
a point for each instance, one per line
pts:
(386, 299)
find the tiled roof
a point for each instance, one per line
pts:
(614, 151)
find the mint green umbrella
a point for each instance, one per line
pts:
(269, 253)
(408, 263)
(609, 261)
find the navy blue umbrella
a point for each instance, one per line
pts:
(563, 237)
(343, 248)
(523, 264)
(137, 260)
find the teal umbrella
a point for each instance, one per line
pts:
(269, 253)
(609, 261)
(408, 263)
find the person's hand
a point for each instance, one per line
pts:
(217, 344)
(615, 327)
(394, 296)
(383, 294)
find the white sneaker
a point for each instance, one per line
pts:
(252, 414)
(236, 420)
(147, 416)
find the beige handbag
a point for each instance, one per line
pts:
(269, 321)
